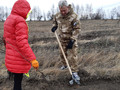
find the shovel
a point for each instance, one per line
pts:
(73, 77)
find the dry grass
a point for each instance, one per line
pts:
(99, 47)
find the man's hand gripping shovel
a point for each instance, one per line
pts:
(73, 77)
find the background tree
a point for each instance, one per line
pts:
(100, 14)
(39, 14)
(113, 13)
(84, 12)
(34, 13)
(51, 13)
(2, 15)
(6, 12)
(44, 16)
(118, 12)
(78, 9)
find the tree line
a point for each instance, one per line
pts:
(84, 12)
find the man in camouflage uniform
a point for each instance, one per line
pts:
(68, 24)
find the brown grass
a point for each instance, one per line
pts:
(99, 47)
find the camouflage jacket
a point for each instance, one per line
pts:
(69, 26)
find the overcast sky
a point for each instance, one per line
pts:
(46, 5)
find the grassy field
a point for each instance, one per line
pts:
(98, 52)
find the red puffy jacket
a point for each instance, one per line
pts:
(16, 38)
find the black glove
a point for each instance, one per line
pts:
(70, 44)
(54, 28)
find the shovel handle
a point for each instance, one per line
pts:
(63, 53)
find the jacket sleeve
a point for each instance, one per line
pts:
(76, 28)
(22, 40)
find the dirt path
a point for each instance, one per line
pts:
(57, 85)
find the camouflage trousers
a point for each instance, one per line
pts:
(71, 55)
